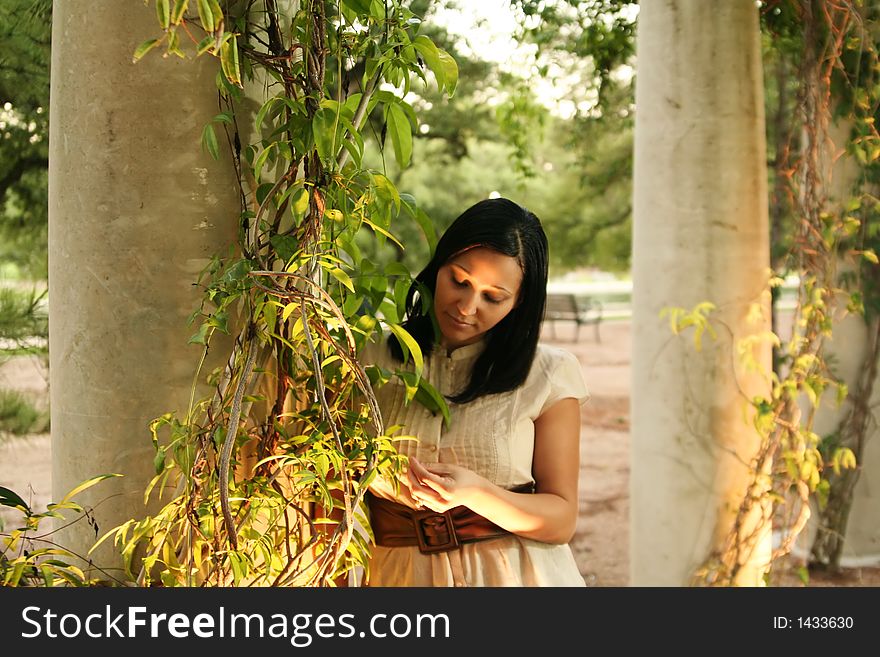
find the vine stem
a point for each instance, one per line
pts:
(229, 443)
(360, 114)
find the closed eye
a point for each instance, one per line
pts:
(464, 283)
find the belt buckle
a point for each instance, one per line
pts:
(435, 532)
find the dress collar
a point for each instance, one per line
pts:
(465, 352)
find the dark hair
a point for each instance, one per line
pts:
(503, 226)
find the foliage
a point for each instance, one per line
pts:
(592, 41)
(856, 96)
(24, 331)
(18, 416)
(23, 318)
(29, 556)
(25, 27)
(263, 482)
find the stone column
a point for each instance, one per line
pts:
(700, 234)
(846, 351)
(136, 210)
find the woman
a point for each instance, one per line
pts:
(491, 499)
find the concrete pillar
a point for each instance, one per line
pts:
(862, 546)
(700, 234)
(136, 210)
(846, 351)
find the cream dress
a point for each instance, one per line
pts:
(493, 436)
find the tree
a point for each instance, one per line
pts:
(24, 101)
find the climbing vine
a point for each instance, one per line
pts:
(263, 480)
(794, 466)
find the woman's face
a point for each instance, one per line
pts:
(475, 290)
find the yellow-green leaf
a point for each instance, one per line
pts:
(229, 60)
(163, 11)
(409, 345)
(342, 277)
(179, 9)
(289, 309)
(216, 12)
(206, 16)
(300, 203)
(144, 48)
(379, 229)
(87, 484)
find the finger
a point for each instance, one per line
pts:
(421, 476)
(412, 479)
(417, 467)
(423, 493)
(439, 486)
(438, 468)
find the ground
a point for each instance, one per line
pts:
(601, 543)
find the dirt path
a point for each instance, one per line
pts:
(601, 541)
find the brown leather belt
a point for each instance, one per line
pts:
(397, 525)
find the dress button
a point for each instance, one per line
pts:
(459, 584)
(433, 448)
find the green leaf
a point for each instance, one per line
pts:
(400, 130)
(285, 246)
(424, 222)
(361, 7)
(300, 203)
(429, 397)
(87, 484)
(377, 10)
(206, 16)
(209, 141)
(163, 11)
(200, 336)
(224, 117)
(217, 12)
(179, 9)
(159, 461)
(205, 45)
(440, 62)
(324, 131)
(384, 232)
(144, 48)
(410, 346)
(411, 381)
(229, 60)
(451, 69)
(262, 157)
(238, 271)
(11, 499)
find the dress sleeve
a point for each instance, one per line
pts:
(566, 380)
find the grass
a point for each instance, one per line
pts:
(18, 416)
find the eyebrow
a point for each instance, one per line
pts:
(465, 269)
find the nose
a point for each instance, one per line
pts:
(467, 304)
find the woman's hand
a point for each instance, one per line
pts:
(442, 486)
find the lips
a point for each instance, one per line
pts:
(458, 322)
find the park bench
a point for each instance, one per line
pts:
(577, 309)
